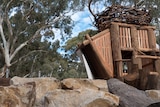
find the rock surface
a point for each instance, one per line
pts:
(18, 96)
(155, 94)
(129, 96)
(50, 92)
(43, 85)
(80, 98)
(72, 83)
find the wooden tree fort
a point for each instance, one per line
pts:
(125, 48)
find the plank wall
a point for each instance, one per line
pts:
(103, 44)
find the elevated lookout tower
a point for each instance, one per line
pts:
(124, 51)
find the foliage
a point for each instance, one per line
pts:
(77, 67)
(71, 44)
(24, 22)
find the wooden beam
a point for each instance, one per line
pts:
(134, 25)
(134, 36)
(147, 56)
(86, 42)
(100, 34)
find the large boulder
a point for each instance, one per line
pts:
(43, 85)
(83, 97)
(18, 96)
(129, 96)
(73, 83)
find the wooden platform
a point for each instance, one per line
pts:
(135, 45)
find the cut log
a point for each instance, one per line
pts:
(129, 96)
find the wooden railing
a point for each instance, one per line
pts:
(125, 37)
(143, 42)
(126, 40)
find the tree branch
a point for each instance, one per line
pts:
(36, 35)
(48, 24)
(13, 43)
(89, 7)
(15, 39)
(8, 21)
(1, 28)
(26, 16)
(18, 49)
(31, 52)
(5, 46)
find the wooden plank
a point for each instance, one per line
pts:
(100, 34)
(141, 36)
(138, 39)
(152, 39)
(100, 59)
(120, 35)
(146, 37)
(143, 39)
(86, 42)
(129, 34)
(147, 43)
(103, 44)
(124, 38)
(127, 37)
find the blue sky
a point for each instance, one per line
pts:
(83, 21)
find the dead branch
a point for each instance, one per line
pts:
(118, 13)
(89, 7)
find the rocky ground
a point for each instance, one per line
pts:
(50, 92)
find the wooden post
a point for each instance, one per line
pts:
(134, 36)
(152, 39)
(157, 67)
(116, 49)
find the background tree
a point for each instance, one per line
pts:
(22, 22)
(77, 68)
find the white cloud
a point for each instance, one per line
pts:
(83, 21)
(76, 16)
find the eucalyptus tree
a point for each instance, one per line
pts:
(23, 21)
